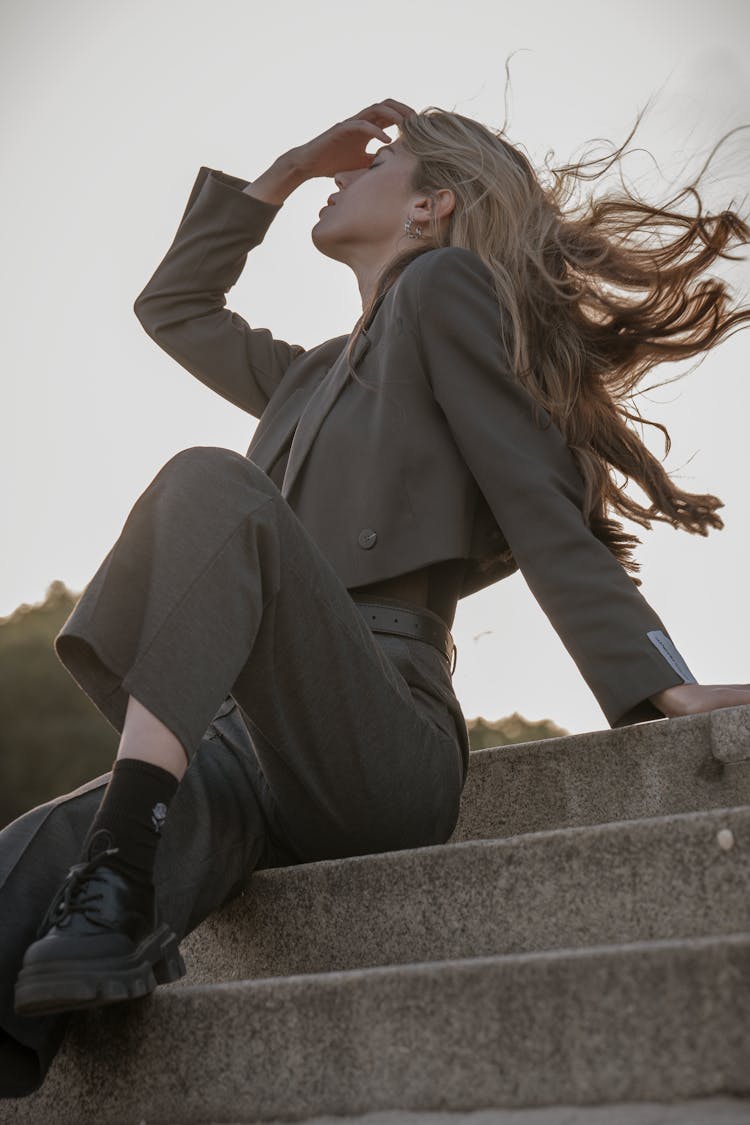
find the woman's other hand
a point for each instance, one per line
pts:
(342, 147)
(693, 699)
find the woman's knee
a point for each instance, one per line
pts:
(214, 463)
(208, 458)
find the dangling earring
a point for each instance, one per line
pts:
(412, 232)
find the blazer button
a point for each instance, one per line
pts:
(367, 538)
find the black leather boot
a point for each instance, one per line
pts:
(100, 941)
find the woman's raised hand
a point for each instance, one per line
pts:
(343, 145)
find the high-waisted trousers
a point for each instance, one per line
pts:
(307, 735)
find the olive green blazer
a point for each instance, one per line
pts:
(431, 452)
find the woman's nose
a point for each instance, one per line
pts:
(342, 178)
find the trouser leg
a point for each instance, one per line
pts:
(215, 835)
(346, 742)
(215, 587)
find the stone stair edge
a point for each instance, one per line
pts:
(721, 728)
(607, 827)
(694, 1111)
(289, 1009)
(544, 957)
(637, 732)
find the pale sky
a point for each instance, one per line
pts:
(108, 111)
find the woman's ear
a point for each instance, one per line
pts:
(441, 205)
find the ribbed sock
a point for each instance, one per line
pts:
(131, 815)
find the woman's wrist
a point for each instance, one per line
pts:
(279, 181)
(674, 701)
(694, 699)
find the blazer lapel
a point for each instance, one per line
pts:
(318, 406)
(272, 432)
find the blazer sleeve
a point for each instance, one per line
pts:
(532, 484)
(183, 306)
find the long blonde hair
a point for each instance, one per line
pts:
(596, 295)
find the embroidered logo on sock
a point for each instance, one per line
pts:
(158, 815)
(100, 842)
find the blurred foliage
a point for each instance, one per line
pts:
(53, 738)
(513, 728)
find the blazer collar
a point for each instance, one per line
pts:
(374, 310)
(303, 412)
(318, 407)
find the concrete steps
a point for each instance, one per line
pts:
(582, 940)
(696, 1111)
(630, 881)
(650, 769)
(647, 1020)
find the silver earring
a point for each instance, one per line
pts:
(412, 232)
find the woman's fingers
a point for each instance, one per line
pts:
(709, 697)
(387, 112)
(370, 127)
(343, 145)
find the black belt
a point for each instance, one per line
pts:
(404, 622)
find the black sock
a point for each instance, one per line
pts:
(131, 815)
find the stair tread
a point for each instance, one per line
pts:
(664, 766)
(549, 889)
(652, 1020)
(704, 944)
(697, 1111)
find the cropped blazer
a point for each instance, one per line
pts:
(431, 453)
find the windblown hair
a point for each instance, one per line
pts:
(594, 297)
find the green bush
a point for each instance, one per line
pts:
(513, 728)
(52, 737)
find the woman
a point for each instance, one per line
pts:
(271, 633)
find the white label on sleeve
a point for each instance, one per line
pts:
(671, 655)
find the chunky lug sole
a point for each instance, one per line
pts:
(66, 985)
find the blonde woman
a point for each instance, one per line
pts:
(270, 633)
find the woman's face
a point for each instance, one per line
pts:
(366, 217)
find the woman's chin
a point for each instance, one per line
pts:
(319, 236)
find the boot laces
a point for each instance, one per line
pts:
(73, 896)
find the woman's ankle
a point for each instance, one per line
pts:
(146, 738)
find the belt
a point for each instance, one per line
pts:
(404, 622)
